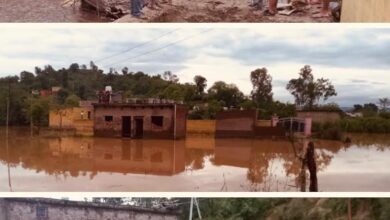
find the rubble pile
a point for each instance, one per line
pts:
(111, 8)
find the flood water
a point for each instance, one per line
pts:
(46, 11)
(194, 164)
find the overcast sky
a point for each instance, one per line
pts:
(356, 59)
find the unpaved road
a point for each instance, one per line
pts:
(44, 11)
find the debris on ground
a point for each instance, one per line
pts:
(225, 11)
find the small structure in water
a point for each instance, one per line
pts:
(244, 124)
(139, 118)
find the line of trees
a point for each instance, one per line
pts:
(81, 82)
(267, 208)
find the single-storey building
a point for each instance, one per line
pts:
(79, 118)
(147, 119)
(244, 124)
(54, 209)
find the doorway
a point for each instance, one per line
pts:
(139, 127)
(126, 126)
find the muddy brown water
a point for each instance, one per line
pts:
(46, 11)
(195, 164)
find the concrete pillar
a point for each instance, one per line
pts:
(308, 124)
(274, 120)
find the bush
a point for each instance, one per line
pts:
(385, 115)
(366, 124)
(330, 131)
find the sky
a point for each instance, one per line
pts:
(356, 58)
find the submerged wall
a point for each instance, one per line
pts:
(79, 119)
(50, 209)
(319, 116)
(201, 126)
(365, 11)
(235, 123)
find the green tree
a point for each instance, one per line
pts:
(170, 77)
(262, 87)
(248, 104)
(229, 94)
(40, 112)
(200, 83)
(307, 91)
(174, 92)
(61, 96)
(72, 101)
(384, 104)
(27, 79)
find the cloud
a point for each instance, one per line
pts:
(358, 49)
(355, 59)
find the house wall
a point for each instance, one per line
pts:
(181, 121)
(267, 131)
(365, 11)
(320, 117)
(201, 126)
(114, 128)
(235, 123)
(26, 209)
(73, 118)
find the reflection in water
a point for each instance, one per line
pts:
(197, 163)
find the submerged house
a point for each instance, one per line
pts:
(139, 118)
(79, 119)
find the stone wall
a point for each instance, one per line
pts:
(50, 209)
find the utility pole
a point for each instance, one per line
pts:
(349, 209)
(8, 103)
(191, 207)
(174, 122)
(197, 207)
(7, 134)
(194, 200)
(31, 115)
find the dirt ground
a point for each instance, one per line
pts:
(179, 11)
(219, 11)
(45, 11)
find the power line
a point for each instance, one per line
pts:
(137, 46)
(160, 48)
